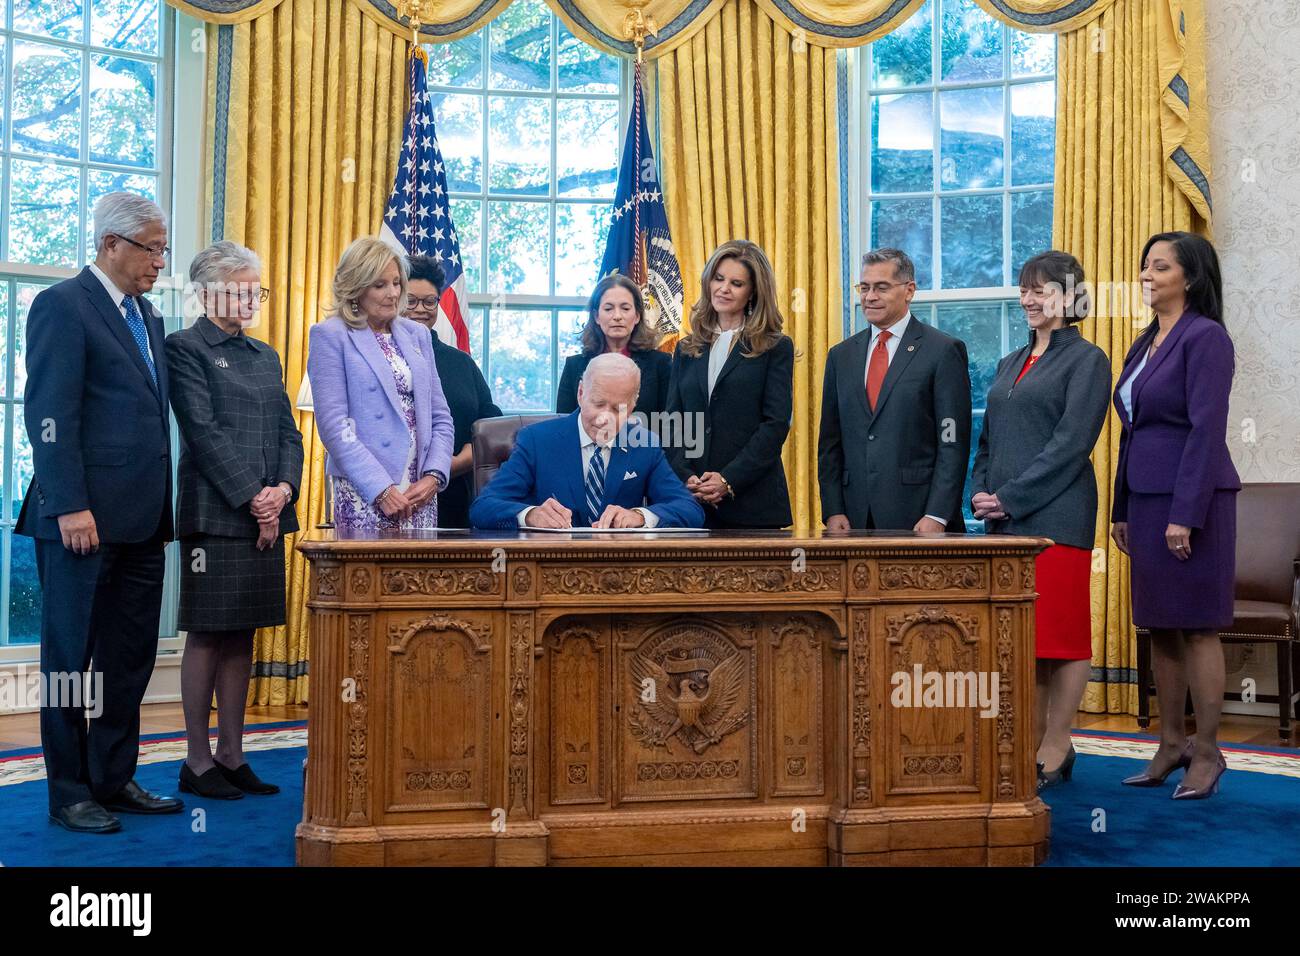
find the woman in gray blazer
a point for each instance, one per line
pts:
(1032, 476)
(240, 470)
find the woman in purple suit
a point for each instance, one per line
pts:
(1175, 503)
(379, 404)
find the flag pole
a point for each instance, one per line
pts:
(637, 25)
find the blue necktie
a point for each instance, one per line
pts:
(135, 322)
(595, 485)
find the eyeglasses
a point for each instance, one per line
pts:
(154, 251)
(880, 288)
(248, 296)
(429, 303)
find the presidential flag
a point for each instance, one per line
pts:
(639, 245)
(418, 218)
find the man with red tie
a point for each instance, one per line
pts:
(896, 414)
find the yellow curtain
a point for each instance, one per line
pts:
(1113, 191)
(305, 105)
(750, 149)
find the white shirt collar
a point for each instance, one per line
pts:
(896, 330)
(114, 293)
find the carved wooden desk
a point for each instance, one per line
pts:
(722, 698)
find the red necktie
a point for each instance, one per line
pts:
(877, 368)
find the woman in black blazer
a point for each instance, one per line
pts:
(732, 384)
(240, 470)
(616, 323)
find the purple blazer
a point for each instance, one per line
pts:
(359, 413)
(1177, 442)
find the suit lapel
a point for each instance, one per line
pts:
(1153, 363)
(907, 348)
(154, 328)
(366, 343)
(856, 356)
(116, 323)
(618, 459)
(732, 359)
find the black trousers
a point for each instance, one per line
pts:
(99, 614)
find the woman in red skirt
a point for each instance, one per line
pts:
(1032, 476)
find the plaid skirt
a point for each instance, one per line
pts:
(228, 585)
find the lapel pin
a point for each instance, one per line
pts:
(221, 362)
(911, 348)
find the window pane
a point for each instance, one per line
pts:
(519, 246)
(520, 149)
(980, 327)
(521, 47)
(474, 323)
(520, 360)
(902, 128)
(971, 227)
(583, 68)
(571, 323)
(1031, 226)
(26, 292)
(43, 213)
(587, 153)
(61, 19)
(972, 43)
(23, 468)
(580, 233)
(459, 63)
(1032, 54)
(123, 119)
(971, 138)
(4, 342)
(125, 25)
(24, 591)
(907, 224)
(465, 213)
(47, 99)
(458, 119)
(1033, 134)
(902, 58)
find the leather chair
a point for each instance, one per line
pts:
(493, 440)
(1267, 592)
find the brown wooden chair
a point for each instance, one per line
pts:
(1267, 592)
(493, 440)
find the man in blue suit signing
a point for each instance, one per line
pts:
(591, 468)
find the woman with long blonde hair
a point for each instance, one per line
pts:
(732, 386)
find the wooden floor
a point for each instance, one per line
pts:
(22, 730)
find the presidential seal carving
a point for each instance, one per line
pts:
(691, 685)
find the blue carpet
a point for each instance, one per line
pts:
(1250, 822)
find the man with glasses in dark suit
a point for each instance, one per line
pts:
(896, 414)
(100, 509)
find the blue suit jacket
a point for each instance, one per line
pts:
(547, 463)
(106, 426)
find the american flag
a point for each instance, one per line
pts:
(418, 218)
(639, 245)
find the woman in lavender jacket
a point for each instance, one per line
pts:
(1175, 503)
(378, 401)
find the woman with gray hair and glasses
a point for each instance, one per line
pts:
(240, 469)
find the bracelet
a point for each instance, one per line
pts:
(726, 484)
(383, 494)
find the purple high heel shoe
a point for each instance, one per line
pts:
(1146, 780)
(1189, 793)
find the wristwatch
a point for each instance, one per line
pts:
(442, 479)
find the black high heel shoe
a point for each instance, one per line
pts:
(1146, 780)
(1050, 778)
(1188, 793)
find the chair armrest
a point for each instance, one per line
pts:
(1295, 597)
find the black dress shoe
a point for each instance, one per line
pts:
(246, 780)
(85, 817)
(134, 798)
(210, 783)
